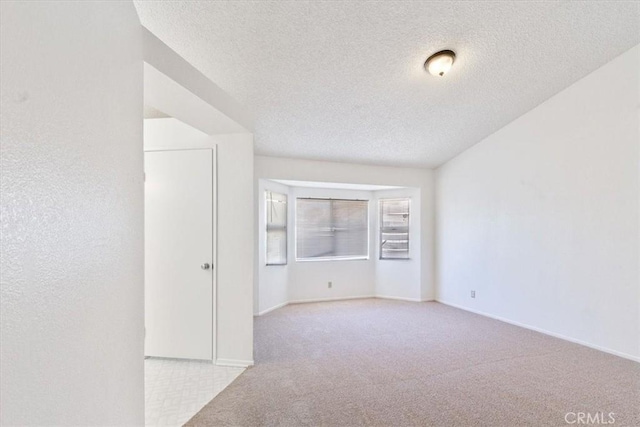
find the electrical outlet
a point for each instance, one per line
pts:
(330, 285)
(473, 294)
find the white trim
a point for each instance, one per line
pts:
(275, 307)
(544, 331)
(214, 317)
(234, 363)
(403, 298)
(304, 301)
(357, 258)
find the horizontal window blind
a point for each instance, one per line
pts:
(394, 228)
(328, 228)
(276, 207)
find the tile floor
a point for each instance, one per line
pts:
(175, 390)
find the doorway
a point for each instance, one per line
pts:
(198, 321)
(181, 269)
(179, 279)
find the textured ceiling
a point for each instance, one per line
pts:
(344, 81)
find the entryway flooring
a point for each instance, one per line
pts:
(175, 390)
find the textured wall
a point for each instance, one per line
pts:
(541, 218)
(72, 205)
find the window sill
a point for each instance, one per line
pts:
(332, 259)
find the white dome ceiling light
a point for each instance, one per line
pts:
(440, 63)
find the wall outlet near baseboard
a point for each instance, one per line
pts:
(329, 285)
(473, 294)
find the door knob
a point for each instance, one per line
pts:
(205, 266)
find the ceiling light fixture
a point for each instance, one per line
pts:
(440, 63)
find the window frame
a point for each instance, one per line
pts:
(335, 258)
(380, 228)
(268, 199)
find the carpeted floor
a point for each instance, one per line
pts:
(389, 363)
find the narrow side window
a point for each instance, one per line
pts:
(394, 228)
(276, 228)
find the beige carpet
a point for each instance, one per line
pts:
(387, 363)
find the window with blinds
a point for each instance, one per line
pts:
(394, 228)
(276, 207)
(332, 229)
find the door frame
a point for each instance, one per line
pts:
(214, 240)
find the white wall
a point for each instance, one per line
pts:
(170, 134)
(401, 278)
(183, 92)
(349, 282)
(72, 214)
(234, 267)
(173, 99)
(235, 249)
(541, 218)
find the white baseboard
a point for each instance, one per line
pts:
(234, 363)
(544, 331)
(403, 298)
(275, 307)
(304, 301)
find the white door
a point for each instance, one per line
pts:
(179, 254)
